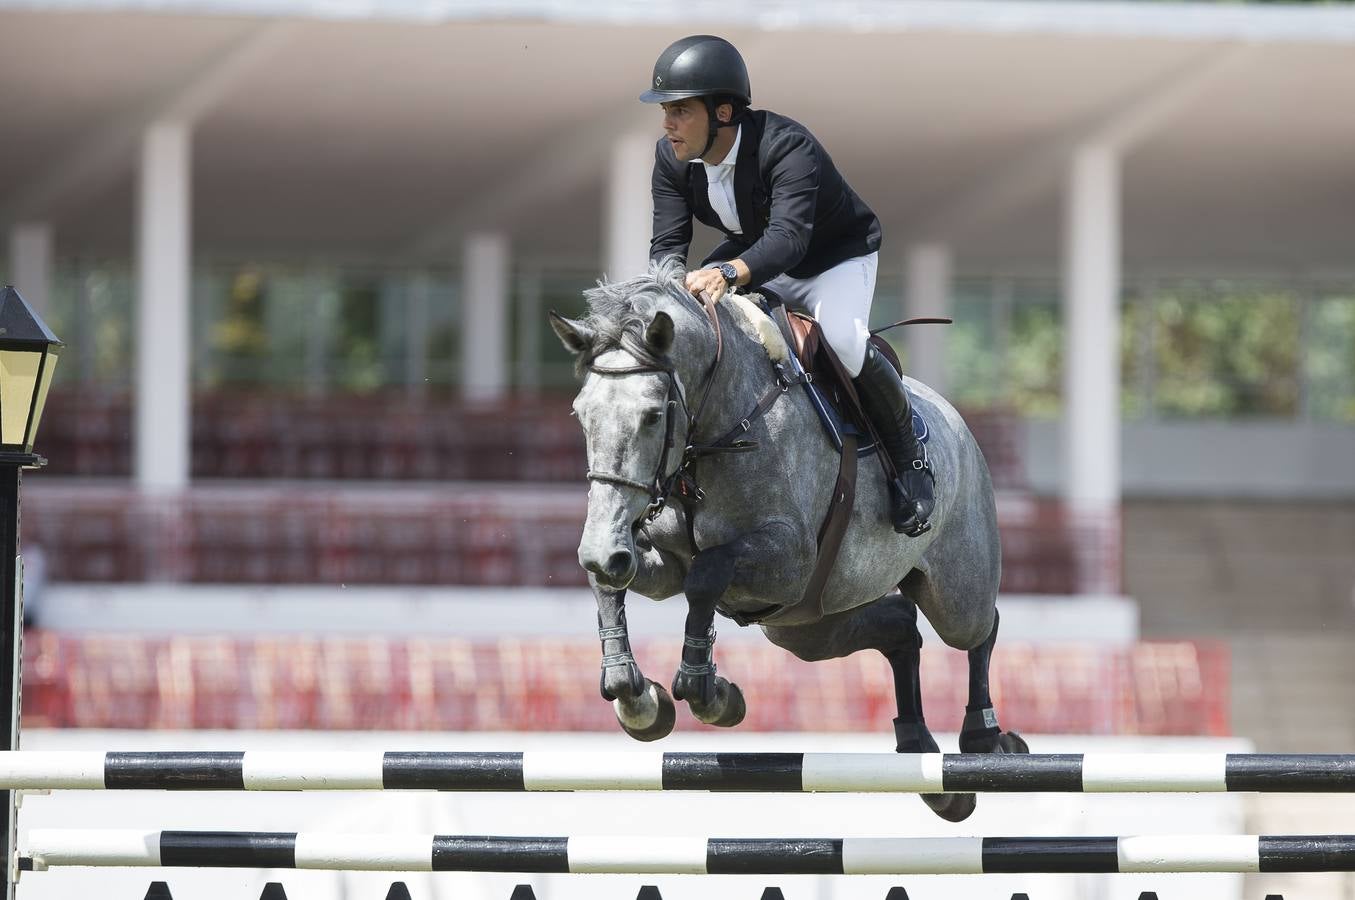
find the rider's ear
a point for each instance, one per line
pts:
(576, 336)
(659, 334)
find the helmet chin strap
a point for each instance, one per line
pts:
(715, 126)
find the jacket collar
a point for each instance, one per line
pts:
(746, 176)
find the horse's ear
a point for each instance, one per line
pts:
(659, 334)
(576, 336)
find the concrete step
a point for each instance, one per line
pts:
(1291, 692)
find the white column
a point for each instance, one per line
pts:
(30, 264)
(484, 317)
(629, 219)
(927, 274)
(162, 436)
(1091, 333)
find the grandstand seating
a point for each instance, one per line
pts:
(454, 534)
(548, 684)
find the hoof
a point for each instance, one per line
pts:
(952, 807)
(727, 710)
(650, 717)
(913, 737)
(1001, 742)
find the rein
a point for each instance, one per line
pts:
(681, 483)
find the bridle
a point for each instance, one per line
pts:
(662, 483)
(680, 483)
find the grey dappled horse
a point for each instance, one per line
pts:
(651, 390)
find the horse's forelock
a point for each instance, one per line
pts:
(620, 311)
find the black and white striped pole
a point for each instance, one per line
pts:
(28, 355)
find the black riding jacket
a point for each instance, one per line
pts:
(799, 216)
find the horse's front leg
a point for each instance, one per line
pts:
(644, 709)
(759, 558)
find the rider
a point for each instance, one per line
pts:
(792, 224)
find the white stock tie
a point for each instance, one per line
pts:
(719, 188)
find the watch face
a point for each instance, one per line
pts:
(730, 273)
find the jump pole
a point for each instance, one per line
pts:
(632, 855)
(657, 771)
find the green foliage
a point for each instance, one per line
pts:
(1136, 364)
(357, 363)
(1189, 348)
(1226, 351)
(1330, 358)
(1035, 360)
(238, 335)
(92, 310)
(974, 351)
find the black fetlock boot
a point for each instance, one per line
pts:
(886, 402)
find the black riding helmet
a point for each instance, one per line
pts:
(702, 66)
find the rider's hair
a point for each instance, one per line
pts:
(740, 107)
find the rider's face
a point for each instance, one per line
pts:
(686, 125)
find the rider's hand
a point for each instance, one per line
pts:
(708, 280)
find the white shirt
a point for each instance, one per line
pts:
(720, 186)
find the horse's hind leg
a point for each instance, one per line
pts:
(910, 728)
(980, 732)
(890, 626)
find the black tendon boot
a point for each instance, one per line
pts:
(886, 402)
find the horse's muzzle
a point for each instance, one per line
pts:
(617, 572)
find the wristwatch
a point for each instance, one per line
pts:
(730, 273)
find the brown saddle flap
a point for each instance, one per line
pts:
(809, 342)
(832, 378)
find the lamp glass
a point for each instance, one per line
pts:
(18, 387)
(48, 370)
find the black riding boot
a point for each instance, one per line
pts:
(886, 402)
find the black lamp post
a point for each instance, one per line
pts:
(28, 353)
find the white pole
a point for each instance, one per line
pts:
(928, 276)
(1091, 348)
(162, 436)
(484, 320)
(30, 264)
(629, 219)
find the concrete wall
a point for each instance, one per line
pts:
(1215, 459)
(1223, 567)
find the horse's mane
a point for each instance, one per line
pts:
(620, 311)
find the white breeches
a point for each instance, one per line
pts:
(840, 300)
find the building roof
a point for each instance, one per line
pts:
(387, 130)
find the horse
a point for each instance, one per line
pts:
(696, 489)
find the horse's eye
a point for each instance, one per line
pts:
(653, 416)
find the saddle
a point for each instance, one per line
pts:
(834, 394)
(834, 397)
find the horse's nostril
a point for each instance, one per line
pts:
(619, 563)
